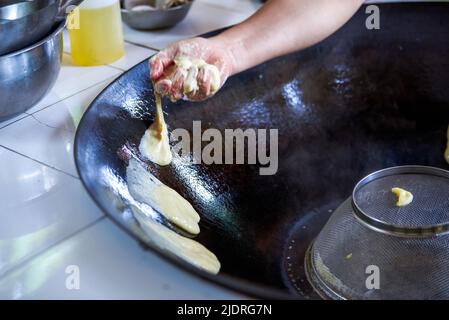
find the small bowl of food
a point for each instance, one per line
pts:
(154, 14)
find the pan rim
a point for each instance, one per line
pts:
(238, 285)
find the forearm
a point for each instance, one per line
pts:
(284, 26)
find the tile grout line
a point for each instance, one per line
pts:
(27, 114)
(17, 120)
(43, 251)
(101, 65)
(142, 45)
(116, 68)
(33, 115)
(40, 162)
(72, 95)
(131, 43)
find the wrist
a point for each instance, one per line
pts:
(234, 50)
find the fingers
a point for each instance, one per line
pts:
(210, 80)
(171, 83)
(163, 87)
(189, 69)
(160, 62)
(204, 83)
(156, 69)
(203, 87)
(176, 91)
(196, 84)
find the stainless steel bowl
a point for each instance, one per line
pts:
(28, 74)
(156, 18)
(23, 23)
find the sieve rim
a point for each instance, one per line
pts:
(391, 229)
(313, 276)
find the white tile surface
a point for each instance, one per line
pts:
(14, 119)
(73, 79)
(38, 207)
(48, 135)
(111, 266)
(133, 55)
(202, 18)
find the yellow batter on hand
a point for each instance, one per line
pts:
(404, 197)
(190, 67)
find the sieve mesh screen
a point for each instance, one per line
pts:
(413, 267)
(430, 205)
(408, 268)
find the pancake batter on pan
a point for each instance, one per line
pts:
(145, 188)
(155, 144)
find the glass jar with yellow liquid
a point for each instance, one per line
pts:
(96, 35)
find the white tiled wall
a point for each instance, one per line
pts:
(48, 221)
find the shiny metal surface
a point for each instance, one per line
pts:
(24, 23)
(356, 103)
(19, 10)
(408, 244)
(154, 19)
(28, 74)
(426, 216)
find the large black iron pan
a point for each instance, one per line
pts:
(360, 101)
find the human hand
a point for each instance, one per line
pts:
(194, 69)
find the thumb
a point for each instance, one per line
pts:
(161, 61)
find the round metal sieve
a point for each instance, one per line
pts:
(407, 247)
(374, 204)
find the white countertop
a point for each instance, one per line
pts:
(48, 221)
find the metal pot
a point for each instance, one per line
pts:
(24, 23)
(28, 74)
(153, 19)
